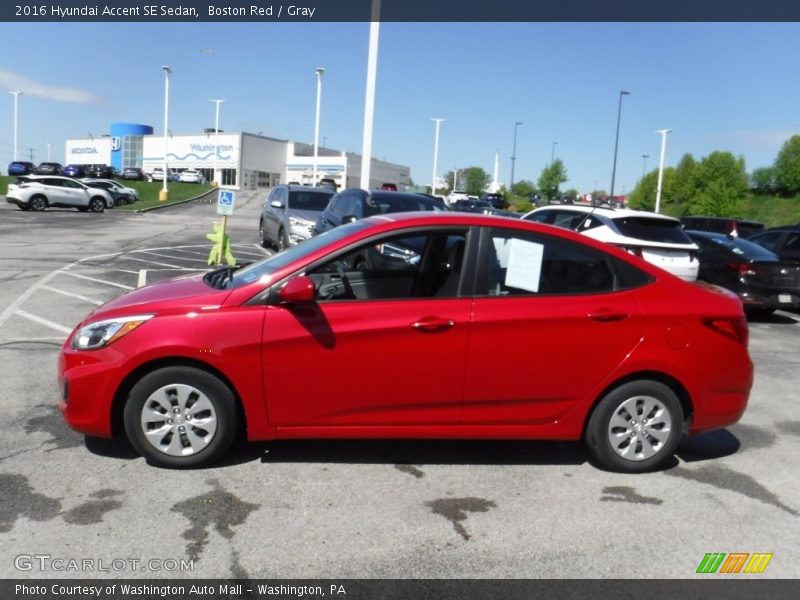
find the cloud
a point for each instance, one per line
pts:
(13, 83)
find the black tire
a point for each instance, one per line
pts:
(262, 234)
(635, 427)
(283, 240)
(97, 204)
(37, 203)
(170, 384)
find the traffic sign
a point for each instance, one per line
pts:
(225, 201)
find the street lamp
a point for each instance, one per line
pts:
(16, 119)
(320, 72)
(435, 153)
(216, 141)
(514, 153)
(644, 165)
(553, 153)
(663, 133)
(616, 142)
(163, 195)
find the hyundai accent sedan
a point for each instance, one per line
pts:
(595, 344)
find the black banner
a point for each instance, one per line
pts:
(398, 10)
(750, 588)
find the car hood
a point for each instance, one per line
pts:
(309, 215)
(182, 293)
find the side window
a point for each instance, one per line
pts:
(535, 264)
(70, 184)
(53, 182)
(792, 242)
(411, 265)
(339, 204)
(768, 240)
(544, 216)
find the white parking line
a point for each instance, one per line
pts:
(152, 262)
(71, 294)
(238, 251)
(41, 321)
(187, 252)
(142, 281)
(95, 279)
(170, 256)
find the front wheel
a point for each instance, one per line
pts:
(181, 417)
(97, 204)
(635, 427)
(38, 203)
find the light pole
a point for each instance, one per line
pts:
(16, 119)
(320, 72)
(514, 154)
(163, 195)
(644, 165)
(435, 153)
(663, 133)
(553, 153)
(216, 142)
(616, 143)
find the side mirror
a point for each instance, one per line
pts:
(349, 219)
(299, 289)
(276, 204)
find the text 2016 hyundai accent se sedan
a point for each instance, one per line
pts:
(415, 325)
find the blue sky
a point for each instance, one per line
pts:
(732, 87)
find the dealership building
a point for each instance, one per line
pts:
(243, 160)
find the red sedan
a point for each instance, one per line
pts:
(415, 325)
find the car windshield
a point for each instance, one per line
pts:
(745, 249)
(257, 270)
(309, 200)
(652, 230)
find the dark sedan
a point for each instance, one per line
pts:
(763, 281)
(49, 168)
(354, 204)
(101, 172)
(133, 173)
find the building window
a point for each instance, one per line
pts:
(132, 151)
(228, 177)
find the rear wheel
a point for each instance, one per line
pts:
(181, 417)
(38, 203)
(97, 204)
(635, 427)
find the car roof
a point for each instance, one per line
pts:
(611, 213)
(310, 188)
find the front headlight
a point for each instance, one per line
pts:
(103, 333)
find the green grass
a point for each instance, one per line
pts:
(148, 192)
(772, 210)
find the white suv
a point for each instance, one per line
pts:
(32, 192)
(656, 238)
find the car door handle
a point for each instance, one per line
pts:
(606, 316)
(433, 324)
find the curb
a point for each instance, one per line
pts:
(166, 204)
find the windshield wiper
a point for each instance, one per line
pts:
(219, 277)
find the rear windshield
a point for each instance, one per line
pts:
(309, 200)
(745, 249)
(652, 230)
(392, 204)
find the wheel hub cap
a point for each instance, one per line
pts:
(178, 420)
(639, 428)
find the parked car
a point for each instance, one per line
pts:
(157, 174)
(328, 183)
(101, 172)
(469, 205)
(19, 167)
(49, 168)
(655, 238)
(301, 346)
(192, 176)
(353, 204)
(456, 195)
(120, 193)
(74, 171)
(496, 200)
(38, 192)
(289, 214)
(133, 173)
(728, 226)
(762, 280)
(389, 187)
(783, 241)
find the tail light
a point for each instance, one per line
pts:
(734, 328)
(742, 268)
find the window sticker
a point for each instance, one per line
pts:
(524, 265)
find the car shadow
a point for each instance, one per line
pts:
(410, 452)
(779, 318)
(708, 446)
(118, 447)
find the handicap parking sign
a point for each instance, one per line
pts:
(225, 202)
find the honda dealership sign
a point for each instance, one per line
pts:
(88, 152)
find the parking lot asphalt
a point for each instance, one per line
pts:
(361, 509)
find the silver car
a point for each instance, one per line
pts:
(290, 212)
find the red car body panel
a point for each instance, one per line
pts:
(507, 367)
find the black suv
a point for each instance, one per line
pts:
(496, 200)
(353, 204)
(101, 172)
(49, 168)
